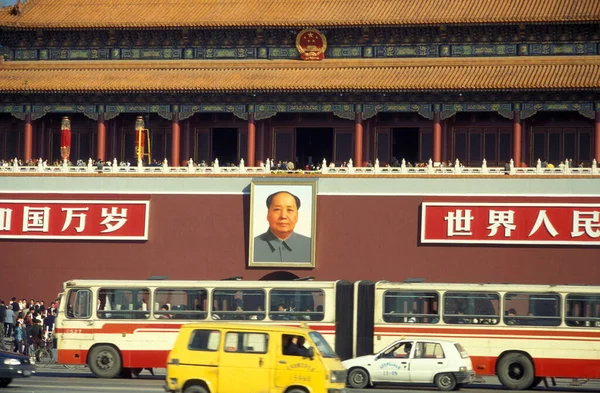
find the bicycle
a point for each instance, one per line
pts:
(44, 356)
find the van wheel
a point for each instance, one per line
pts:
(358, 378)
(296, 391)
(515, 371)
(445, 381)
(104, 361)
(195, 389)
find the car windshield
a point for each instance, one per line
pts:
(322, 345)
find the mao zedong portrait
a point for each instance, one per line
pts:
(280, 243)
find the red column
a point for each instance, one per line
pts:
(101, 143)
(358, 139)
(517, 138)
(28, 138)
(597, 137)
(175, 138)
(251, 140)
(437, 137)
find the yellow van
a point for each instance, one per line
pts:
(221, 357)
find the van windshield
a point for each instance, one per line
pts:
(322, 345)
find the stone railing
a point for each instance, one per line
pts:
(268, 168)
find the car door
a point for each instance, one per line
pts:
(392, 364)
(244, 360)
(427, 358)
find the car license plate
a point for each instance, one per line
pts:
(27, 373)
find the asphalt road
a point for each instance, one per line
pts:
(55, 379)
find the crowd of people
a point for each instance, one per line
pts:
(26, 325)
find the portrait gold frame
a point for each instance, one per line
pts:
(259, 190)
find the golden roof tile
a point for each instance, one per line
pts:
(126, 14)
(359, 75)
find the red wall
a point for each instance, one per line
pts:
(358, 237)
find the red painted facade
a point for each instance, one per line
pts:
(358, 238)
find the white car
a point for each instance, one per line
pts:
(421, 360)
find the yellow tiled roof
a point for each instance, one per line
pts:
(80, 14)
(476, 74)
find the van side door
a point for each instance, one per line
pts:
(245, 362)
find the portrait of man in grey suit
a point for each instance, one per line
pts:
(281, 243)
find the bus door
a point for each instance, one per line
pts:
(76, 326)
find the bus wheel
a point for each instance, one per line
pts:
(195, 389)
(358, 378)
(515, 371)
(445, 381)
(104, 361)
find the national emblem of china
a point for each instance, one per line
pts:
(311, 44)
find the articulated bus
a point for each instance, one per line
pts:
(120, 327)
(521, 333)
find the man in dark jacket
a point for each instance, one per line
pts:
(36, 335)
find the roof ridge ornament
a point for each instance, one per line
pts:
(311, 44)
(16, 10)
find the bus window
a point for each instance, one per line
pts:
(79, 304)
(410, 307)
(238, 304)
(180, 303)
(540, 309)
(298, 305)
(471, 307)
(123, 303)
(583, 310)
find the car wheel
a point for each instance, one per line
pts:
(296, 391)
(515, 371)
(4, 382)
(195, 389)
(445, 381)
(105, 361)
(358, 378)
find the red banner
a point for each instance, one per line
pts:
(510, 223)
(74, 219)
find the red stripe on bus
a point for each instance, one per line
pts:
(130, 328)
(130, 358)
(546, 367)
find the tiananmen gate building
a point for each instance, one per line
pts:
(371, 83)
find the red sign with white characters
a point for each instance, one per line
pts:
(74, 219)
(510, 223)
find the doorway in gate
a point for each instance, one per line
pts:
(225, 146)
(405, 144)
(313, 145)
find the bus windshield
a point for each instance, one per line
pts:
(322, 345)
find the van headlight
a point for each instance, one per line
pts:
(338, 376)
(12, 362)
(462, 369)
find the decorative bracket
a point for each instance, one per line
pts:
(506, 114)
(345, 115)
(426, 114)
(446, 114)
(185, 115)
(165, 115)
(241, 115)
(590, 114)
(263, 115)
(19, 115)
(110, 115)
(91, 115)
